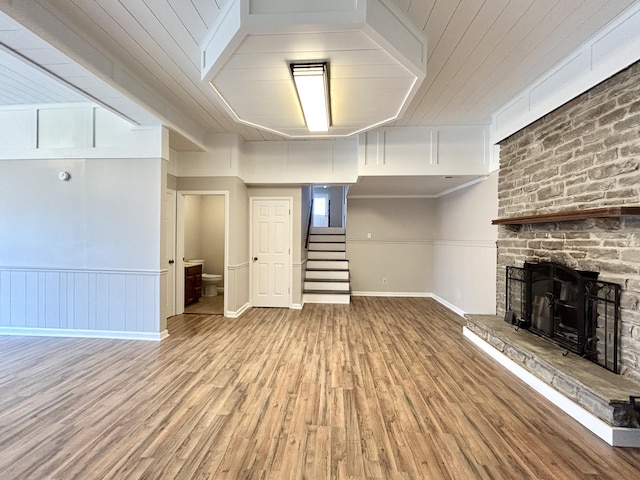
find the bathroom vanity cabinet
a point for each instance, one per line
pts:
(192, 283)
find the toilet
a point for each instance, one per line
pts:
(210, 281)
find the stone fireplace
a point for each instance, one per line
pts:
(583, 156)
(569, 192)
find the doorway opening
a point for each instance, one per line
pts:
(329, 206)
(202, 253)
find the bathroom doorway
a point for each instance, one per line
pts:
(202, 252)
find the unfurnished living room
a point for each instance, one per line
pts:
(376, 239)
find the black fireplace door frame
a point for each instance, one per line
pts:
(556, 306)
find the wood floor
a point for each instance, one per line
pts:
(379, 389)
(207, 306)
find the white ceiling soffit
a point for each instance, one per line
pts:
(426, 186)
(376, 56)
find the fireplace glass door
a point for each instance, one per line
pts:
(557, 304)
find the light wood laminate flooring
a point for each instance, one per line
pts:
(207, 306)
(383, 388)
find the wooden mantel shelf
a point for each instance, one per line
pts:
(605, 212)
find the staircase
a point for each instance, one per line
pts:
(327, 277)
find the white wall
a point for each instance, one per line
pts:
(95, 220)
(399, 250)
(300, 162)
(464, 267)
(73, 131)
(80, 257)
(432, 150)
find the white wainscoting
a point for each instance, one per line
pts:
(465, 274)
(80, 303)
(237, 293)
(297, 284)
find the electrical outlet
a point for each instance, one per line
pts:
(384, 280)
(368, 235)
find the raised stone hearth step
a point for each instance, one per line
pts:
(599, 391)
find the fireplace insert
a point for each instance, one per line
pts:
(571, 308)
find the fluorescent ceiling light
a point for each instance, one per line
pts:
(312, 84)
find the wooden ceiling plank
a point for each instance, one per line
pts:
(523, 19)
(207, 10)
(437, 23)
(419, 13)
(119, 22)
(443, 56)
(483, 35)
(555, 37)
(191, 18)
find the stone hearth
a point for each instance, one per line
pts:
(600, 392)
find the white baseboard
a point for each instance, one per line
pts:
(239, 312)
(72, 333)
(296, 306)
(391, 294)
(614, 436)
(450, 306)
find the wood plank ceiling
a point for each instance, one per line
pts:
(481, 53)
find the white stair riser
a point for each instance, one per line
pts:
(327, 238)
(327, 231)
(327, 246)
(322, 275)
(338, 298)
(327, 264)
(326, 255)
(331, 286)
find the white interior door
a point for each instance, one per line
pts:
(270, 252)
(170, 252)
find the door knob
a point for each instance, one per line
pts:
(171, 262)
(255, 259)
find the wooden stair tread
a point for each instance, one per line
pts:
(341, 280)
(328, 292)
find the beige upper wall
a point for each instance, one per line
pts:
(238, 210)
(391, 219)
(397, 258)
(464, 273)
(466, 214)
